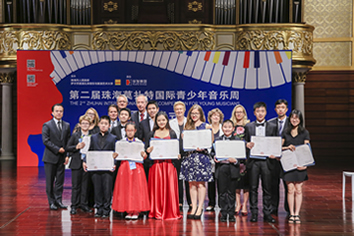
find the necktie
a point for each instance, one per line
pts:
(280, 127)
(141, 117)
(59, 126)
(260, 124)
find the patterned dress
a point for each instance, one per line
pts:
(197, 166)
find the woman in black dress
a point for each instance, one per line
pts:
(293, 136)
(239, 117)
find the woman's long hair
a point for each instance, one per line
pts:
(300, 128)
(190, 123)
(156, 126)
(245, 119)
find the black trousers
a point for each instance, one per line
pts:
(226, 190)
(102, 182)
(79, 192)
(212, 192)
(177, 164)
(259, 168)
(54, 181)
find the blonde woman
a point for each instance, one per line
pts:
(92, 113)
(239, 117)
(196, 167)
(215, 119)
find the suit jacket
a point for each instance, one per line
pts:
(53, 140)
(135, 117)
(144, 130)
(117, 131)
(108, 146)
(275, 122)
(235, 169)
(75, 154)
(270, 130)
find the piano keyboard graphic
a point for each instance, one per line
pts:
(235, 69)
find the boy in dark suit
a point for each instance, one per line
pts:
(227, 174)
(55, 135)
(102, 180)
(79, 178)
(259, 167)
(281, 108)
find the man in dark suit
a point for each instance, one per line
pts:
(281, 108)
(259, 167)
(141, 114)
(145, 127)
(55, 135)
(113, 116)
(102, 180)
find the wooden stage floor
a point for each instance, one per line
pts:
(24, 210)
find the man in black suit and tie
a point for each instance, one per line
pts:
(145, 127)
(259, 167)
(55, 135)
(141, 114)
(113, 116)
(281, 108)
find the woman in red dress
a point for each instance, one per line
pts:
(130, 192)
(163, 183)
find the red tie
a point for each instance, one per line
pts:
(141, 117)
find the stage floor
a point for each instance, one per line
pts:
(24, 210)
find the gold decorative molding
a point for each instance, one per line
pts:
(110, 6)
(195, 21)
(299, 77)
(295, 37)
(8, 77)
(195, 6)
(8, 42)
(44, 40)
(151, 40)
(110, 21)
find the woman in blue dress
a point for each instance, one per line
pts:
(196, 167)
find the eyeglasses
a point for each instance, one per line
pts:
(195, 114)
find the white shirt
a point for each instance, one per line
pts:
(151, 122)
(260, 130)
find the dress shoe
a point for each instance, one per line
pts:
(198, 217)
(223, 218)
(61, 205)
(104, 216)
(232, 218)
(97, 215)
(269, 219)
(209, 208)
(254, 218)
(86, 209)
(73, 211)
(53, 207)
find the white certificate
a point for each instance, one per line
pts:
(129, 151)
(264, 146)
(302, 156)
(193, 139)
(99, 160)
(230, 148)
(164, 149)
(87, 140)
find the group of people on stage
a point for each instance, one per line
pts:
(155, 187)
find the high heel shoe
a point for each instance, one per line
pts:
(198, 217)
(191, 216)
(244, 213)
(238, 211)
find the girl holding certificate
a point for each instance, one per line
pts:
(163, 182)
(196, 167)
(239, 118)
(295, 135)
(130, 191)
